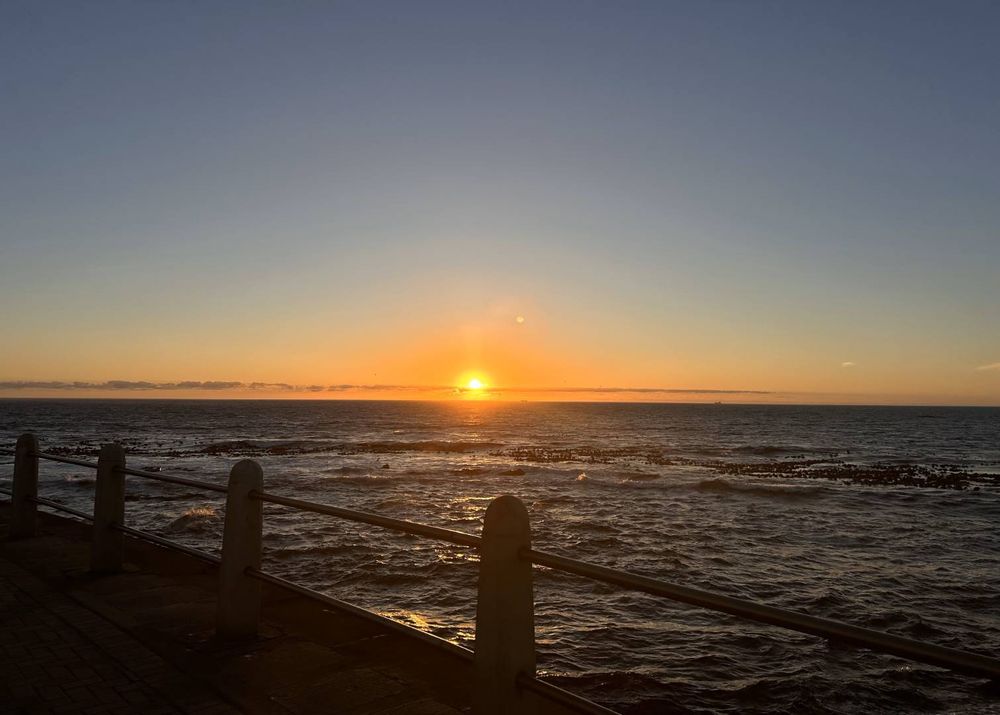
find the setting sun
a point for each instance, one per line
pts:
(475, 384)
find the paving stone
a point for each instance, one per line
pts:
(54, 659)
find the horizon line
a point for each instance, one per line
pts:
(233, 390)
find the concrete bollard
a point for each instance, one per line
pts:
(24, 510)
(505, 618)
(238, 612)
(109, 510)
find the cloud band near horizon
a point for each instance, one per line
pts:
(233, 385)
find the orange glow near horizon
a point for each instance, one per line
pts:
(482, 355)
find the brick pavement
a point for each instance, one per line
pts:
(58, 657)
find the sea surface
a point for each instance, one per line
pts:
(879, 516)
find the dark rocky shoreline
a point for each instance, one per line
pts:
(929, 476)
(763, 462)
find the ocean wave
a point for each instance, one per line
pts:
(601, 542)
(161, 493)
(719, 485)
(432, 445)
(597, 685)
(197, 518)
(469, 471)
(314, 551)
(394, 503)
(368, 479)
(905, 623)
(87, 481)
(639, 476)
(345, 470)
(550, 501)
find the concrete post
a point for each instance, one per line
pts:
(109, 510)
(505, 618)
(239, 595)
(24, 511)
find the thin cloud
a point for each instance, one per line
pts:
(211, 385)
(638, 390)
(385, 388)
(848, 363)
(991, 366)
(232, 385)
(126, 385)
(266, 386)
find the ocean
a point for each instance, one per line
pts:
(884, 517)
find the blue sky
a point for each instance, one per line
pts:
(687, 195)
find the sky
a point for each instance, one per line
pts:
(737, 201)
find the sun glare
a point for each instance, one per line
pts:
(473, 386)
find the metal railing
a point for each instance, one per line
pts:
(504, 657)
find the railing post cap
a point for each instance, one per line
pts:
(247, 470)
(112, 451)
(507, 511)
(26, 441)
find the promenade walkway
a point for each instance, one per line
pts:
(58, 657)
(143, 641)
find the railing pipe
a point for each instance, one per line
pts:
(960, 661)
(238, 612)
(65, 460)
(563, 697)
(364, 613)
(109, 509)
(167, 543)
(62, 507)
(210, 486)
(505, 625)
(408, 527)
(24, 517)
